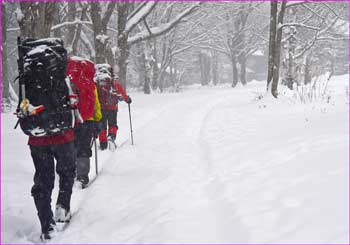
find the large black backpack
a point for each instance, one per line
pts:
(42, 79)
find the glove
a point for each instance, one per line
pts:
(128, 100)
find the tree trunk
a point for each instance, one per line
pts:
(57, 20)
(38, 19)
(204, 62)
(234, 71)
(307, 73)
(141, 68)
(277, 53)
(5, 79)
(99, 32)
(100, 29)
(77, 31)
(172, 76)
(215, 67)
(71, 14)
(122, 42)
(242, 74)
(272, 41)
(154, 65)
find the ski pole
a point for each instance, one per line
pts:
(132, 138)
(96, 159)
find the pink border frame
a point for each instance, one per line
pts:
(163, 1)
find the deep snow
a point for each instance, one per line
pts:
(209, 165)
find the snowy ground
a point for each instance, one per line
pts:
(209, 165)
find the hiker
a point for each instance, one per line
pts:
(45, 114)
(81, 72)
(110, 91)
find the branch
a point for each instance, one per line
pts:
(13, 29)
(135, 11)
(147, 27)
(296, 4)
(333, 39)
(300, 25)
(137, 17)
(160, 30)
(69, 23)
(314, 12)
(108, 14)
(76, 22)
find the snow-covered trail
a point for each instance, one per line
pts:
(162, 184)
(209, 165)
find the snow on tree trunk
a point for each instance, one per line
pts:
(122, 42)
(277, 52)
(154, 65)
(100, 22)
(272, 43)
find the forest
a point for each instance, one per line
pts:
(164, 46)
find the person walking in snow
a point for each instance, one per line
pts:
(110, 91)
(45, 114)
(81, 72)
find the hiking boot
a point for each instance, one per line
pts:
(49, 233)
(83, 181)
(62, 215)
(103, 146)
(111, 143)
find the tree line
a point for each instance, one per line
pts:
(157, 46)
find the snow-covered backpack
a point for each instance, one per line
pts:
(43, 107)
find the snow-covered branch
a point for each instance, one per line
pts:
(13, 29)
(69, 23)
(300, 25)
(108, 13)
(160, 30)
(141, 14)
(76, 22)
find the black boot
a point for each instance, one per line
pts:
(83, 180)
(49, 231)
(103, 145)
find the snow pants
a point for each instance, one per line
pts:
(109, 117)
(44, 178)
(84, 134)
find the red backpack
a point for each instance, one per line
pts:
(81, 73)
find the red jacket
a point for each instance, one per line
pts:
(64, 138)
(108, 93)
(81, 73)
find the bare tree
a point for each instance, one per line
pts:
(128, 21)
(318, 23)
(37, 19)
(277, 39)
